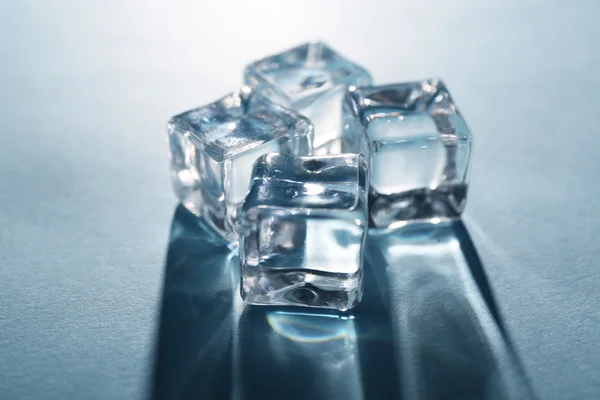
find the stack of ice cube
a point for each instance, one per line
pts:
(299, 163)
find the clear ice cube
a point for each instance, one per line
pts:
(312, 79)
(304, 226)
(213, 148)
(419, 148)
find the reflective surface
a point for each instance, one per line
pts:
(428, 327)
(86, 200)
(449, 340)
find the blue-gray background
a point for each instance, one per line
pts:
(86, 203)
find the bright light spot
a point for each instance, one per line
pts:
(435, 220)
(271, 157)
(367, 102)
(246, 90)
(351, 88)
(231, 126)
(312, 328)
(397, 224)
(186, 177)
(426, 87)
(230, 102)
(313, 189)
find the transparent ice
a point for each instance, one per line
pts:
(305, 221)
(419, 147)
(312, 79)
(213, 148)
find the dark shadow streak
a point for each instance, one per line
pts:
(427, 328)
(292, 353)
(193, 357)
(448, 338)
(477, 271)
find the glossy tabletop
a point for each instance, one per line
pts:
(108, 290)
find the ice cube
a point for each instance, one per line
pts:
(419, 148)
(304, 226)
(312, 79)
(213, 148)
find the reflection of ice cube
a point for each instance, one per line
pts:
(213, 148)
(419, 148)
(325, 344)
(312, 79)
(304, 229)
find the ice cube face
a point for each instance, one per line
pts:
(213, 148)
(419, 148)
(312, 79)
(304, 226)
